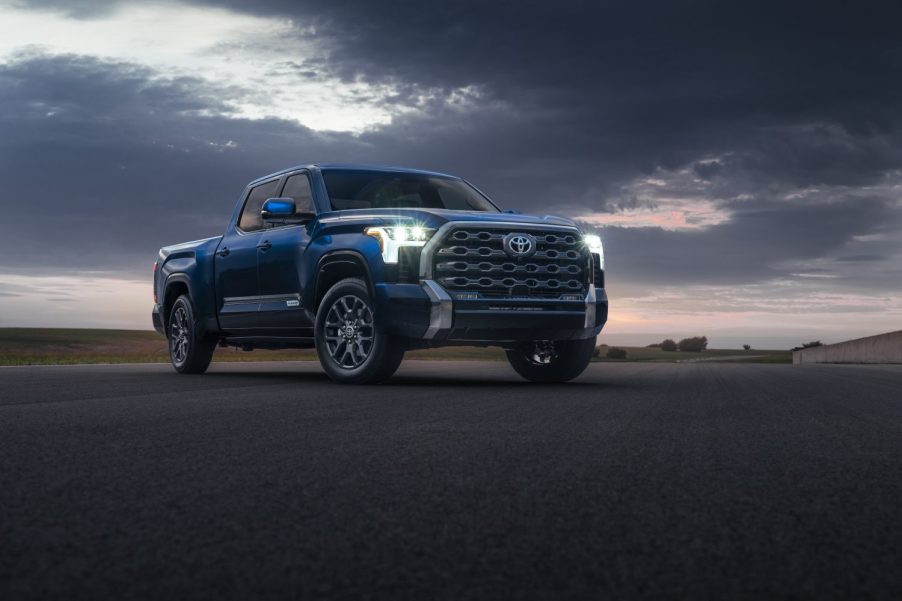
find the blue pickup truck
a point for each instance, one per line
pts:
(363, 263)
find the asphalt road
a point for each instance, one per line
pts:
(454, 481)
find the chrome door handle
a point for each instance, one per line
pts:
(223, 252)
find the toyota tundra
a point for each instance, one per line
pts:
(363, 263)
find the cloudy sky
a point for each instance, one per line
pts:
(742, 160)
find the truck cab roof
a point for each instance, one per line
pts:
(355, 167)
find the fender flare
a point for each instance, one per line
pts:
(172, 279)
(335, 257)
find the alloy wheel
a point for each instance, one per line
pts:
(349, 331)
(543, 352)
(178, 335)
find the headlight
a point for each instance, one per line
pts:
(393, 238)
(593, 241)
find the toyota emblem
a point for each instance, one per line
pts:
(519, 245)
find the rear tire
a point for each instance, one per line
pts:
(551, 361)
(190, 349)
(350, 347)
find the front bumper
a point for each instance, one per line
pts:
(426, 311)
(157, 319)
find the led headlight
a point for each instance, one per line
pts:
(593, 241)
(394, 237)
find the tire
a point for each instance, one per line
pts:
(190, 350)
(560, 360)
(350, 347)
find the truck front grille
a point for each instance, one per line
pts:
(473, 260)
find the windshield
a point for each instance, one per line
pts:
(350, 189)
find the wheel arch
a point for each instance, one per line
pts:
(177, 284)
(336, 266)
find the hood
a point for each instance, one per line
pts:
(190, 248)
(433, 218)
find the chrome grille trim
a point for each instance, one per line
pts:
(464, 267)
(489, 253)
(441, 313)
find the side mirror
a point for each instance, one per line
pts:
(280, 211)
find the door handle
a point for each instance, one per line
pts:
(265, 245)
(223, 252)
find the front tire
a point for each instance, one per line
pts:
(350, 347)
(190, 350)
(551, 361)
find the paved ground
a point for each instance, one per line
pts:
(454, 481)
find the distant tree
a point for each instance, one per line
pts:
(616, 353)
(696, 344)
(811, 344)
(655, 345)
(668, 345)
(747, 347)
(597, 352)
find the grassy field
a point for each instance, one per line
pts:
(52, 346)
(641, 353)
(47, 346)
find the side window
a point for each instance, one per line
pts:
(297, 188)
(250, 220)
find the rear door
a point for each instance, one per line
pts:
(237, 283)
(279, 263)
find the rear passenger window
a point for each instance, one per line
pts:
(251, 220)
(297, 188)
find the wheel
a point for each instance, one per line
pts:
(551, 361)
(350, 347)
(189, 349)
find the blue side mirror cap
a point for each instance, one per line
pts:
(278, 208)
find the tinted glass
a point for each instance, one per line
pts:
(297, 188)
(349, 189)
(250, 217)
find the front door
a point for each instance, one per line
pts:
(279, 261)
(237, 282)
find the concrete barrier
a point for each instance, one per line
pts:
(883, 348)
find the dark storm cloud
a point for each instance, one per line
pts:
(707, 169)
(571, 103)
(101, 164)
(805, 92)
(862, 258)
(750, 247)
(76, 8)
